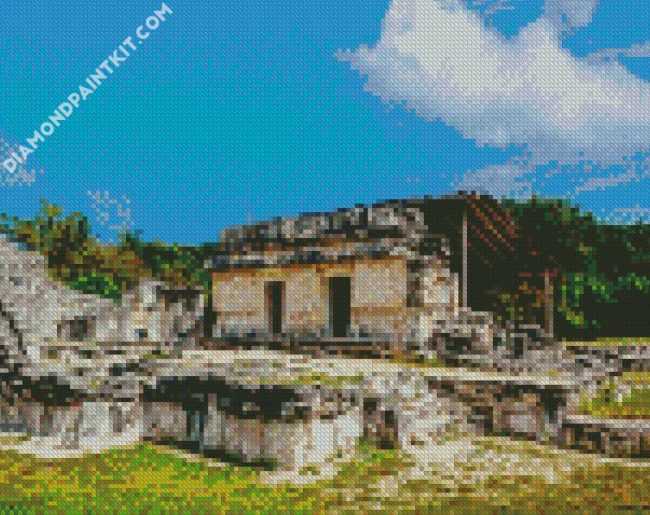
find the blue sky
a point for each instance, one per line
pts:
(243, 110)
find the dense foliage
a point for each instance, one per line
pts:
(601, 272)
(78, 258)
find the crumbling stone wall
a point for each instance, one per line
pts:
(619, 438)
(511, 406)
(90, 424)
(378, 298)
(41, 310)
(291, 427)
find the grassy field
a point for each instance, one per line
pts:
(156, 480)
(489, 476)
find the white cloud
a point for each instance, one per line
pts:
(489, 8)
(629, 215)
(568, 15)
(635, 170)
(112, 212)
(439, 59)
(640, 50)
(611, 181)
(22, 175)
(510, 180)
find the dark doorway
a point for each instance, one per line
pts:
(194, 426)
(274, 308)
(340, 306)
(47, 422)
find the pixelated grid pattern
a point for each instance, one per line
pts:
(485, 350)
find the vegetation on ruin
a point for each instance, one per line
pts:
(311, 379)
(417, 361)
(77, 257)
(602, 271)
(610, 342)
(627, 396)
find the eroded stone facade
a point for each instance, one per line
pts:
(400, 286)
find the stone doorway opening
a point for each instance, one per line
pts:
(340, 304)
(195, 414)
(274, 305)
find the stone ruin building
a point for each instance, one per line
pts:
(80, 372)
(391, 276)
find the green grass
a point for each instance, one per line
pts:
(609, 342)
(313, 379)
(412, 360)
(154, 480)
(148, 479)
(634, 405)
(603, 489)
(583, 484)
